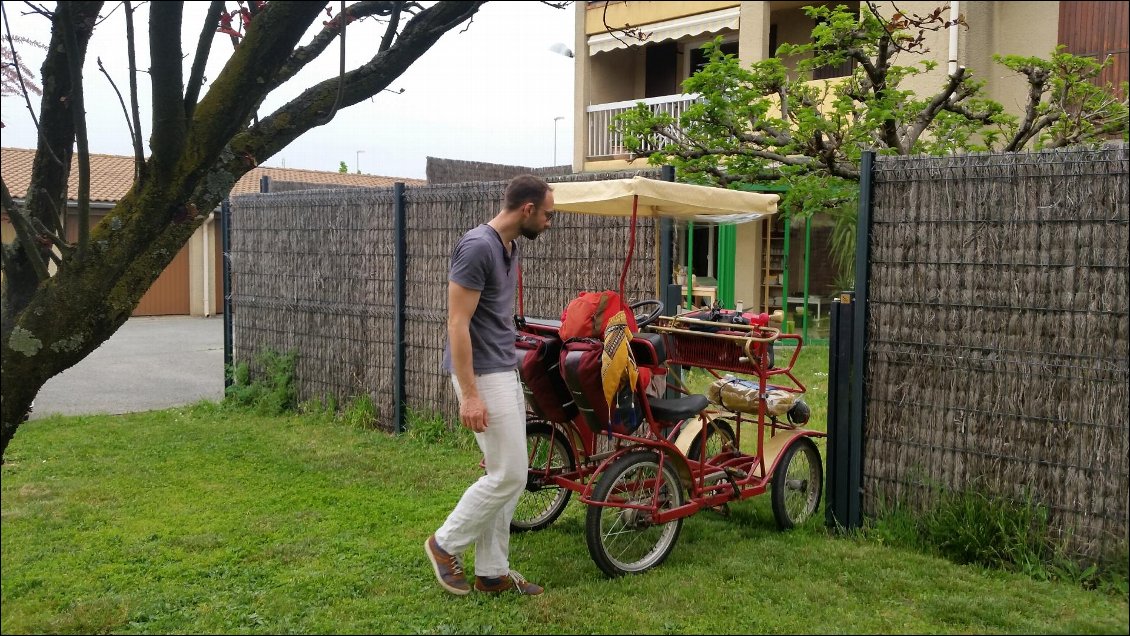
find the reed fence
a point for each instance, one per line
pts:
(312, 272)
(997, 337)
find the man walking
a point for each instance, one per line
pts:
(482, 361)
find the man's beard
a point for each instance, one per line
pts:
(528, 233)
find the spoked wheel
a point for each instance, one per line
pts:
(625, 540)
(542, 502)
(719, 438)
(798, 481)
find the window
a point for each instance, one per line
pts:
(699, 59)
(829, 71)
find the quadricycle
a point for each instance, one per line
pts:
(654, 453)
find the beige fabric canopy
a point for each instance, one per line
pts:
(681, 201)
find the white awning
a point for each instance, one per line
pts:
(712, 22)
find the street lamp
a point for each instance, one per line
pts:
(357, 160)
(560, 49)
(555, 120)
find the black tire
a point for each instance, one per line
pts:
(798, 481)
(623, 540)
(719, 437)
(540, 503)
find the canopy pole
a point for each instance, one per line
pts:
(690, 264)
(631, 243)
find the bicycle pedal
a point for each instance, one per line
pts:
(722, 509)
(737, 473)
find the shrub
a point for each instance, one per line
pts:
(973, 528)
(272, 393)
(361, 413)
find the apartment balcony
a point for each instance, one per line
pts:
(603, 143)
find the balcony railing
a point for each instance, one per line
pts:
(604, 143)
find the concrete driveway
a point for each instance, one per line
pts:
(149, 363)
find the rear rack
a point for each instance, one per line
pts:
(727, 347)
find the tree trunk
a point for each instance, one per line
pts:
(50, 325)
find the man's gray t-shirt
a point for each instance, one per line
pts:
(480, 262)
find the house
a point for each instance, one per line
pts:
(614, 72)
(192, 284)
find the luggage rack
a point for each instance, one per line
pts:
(729, 347)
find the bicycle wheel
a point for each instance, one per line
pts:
(625, 540)
(542, 502)
(798, 481)
(719, 437)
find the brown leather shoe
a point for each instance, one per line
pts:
(512, 581)
(448, 568)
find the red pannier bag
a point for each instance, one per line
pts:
(546, 393)
(580, 367)
(587, 315)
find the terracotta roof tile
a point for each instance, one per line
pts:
(111, 176)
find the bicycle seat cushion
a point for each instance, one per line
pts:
(581, 369)
(677, 409)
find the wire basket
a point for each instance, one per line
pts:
(715, 345)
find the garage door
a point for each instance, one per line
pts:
(169, 293)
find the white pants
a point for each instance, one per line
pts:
(482, 516)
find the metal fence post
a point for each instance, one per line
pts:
(398, 291)
(859, 340)
(225, 239)
(838, 511)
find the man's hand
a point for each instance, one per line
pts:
(473, 413)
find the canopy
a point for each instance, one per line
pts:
(681, 201)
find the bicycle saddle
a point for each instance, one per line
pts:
(677, 409)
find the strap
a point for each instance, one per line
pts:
(521, 309)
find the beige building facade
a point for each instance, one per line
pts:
(614, 71)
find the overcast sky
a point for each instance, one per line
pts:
(488, 94)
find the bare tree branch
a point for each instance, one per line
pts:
(1030, 124)
(76, 103)
(203, 47)
(344, 18)
(139, 169)
(390, 30)
(169, 122)
(23, 85)
(121, 100)
(936, 105)
(24, 233)
(308, 110)
(304, 54)
(628, 30)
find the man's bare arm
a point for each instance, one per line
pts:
(461, 305)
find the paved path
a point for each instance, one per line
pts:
(149, 363)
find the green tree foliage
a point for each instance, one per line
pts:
(342, 168)
(767, 123)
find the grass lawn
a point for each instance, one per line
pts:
(201, 520)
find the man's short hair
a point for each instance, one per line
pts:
(523, 189)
